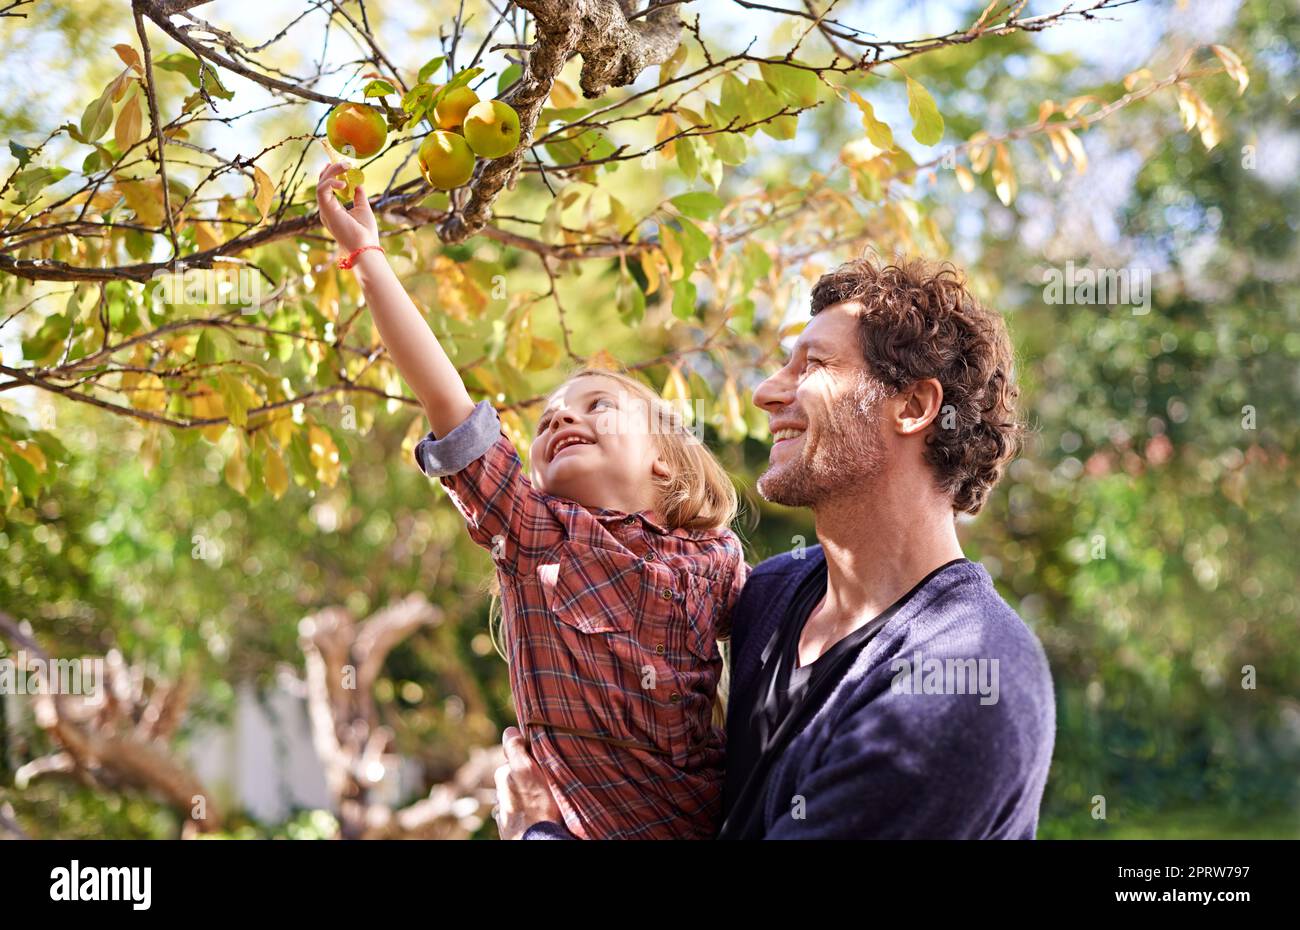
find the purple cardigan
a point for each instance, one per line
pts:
(942, 727)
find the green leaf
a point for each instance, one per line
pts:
(198, 72)
(508, 77)
(696, 245)
(878, 133)
(698, 204)
(234, 396)
(927, 123)
(729, 146)
(683, 299)
(734, 104)
(430, 66)
(797, 86)
(686, 159)
(379, 88)
(300, 459)
(756, 263)
(630, 300)
(97, 118)
(29, 482)
(783, 127)
(21, 152)
(29, 183)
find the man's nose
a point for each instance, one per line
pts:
(774, 393)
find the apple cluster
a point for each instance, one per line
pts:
(466, 128)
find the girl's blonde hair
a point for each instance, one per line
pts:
(697, 495)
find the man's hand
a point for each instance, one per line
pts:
(523, 797)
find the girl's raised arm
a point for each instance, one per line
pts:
(414, 348)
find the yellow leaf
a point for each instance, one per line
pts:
(878, 133)
(324, 455)
(459, 295)
(1073, 146)
(1045, 109)
(149, 392)
(545, 353)
(965, 179)
(604, 361)
(263, 191)
(1073, 108)
(129, 119)
(980, 153)
(562, 95)
(519, 341)
(667, 128)
(206, 236)
(274, 473)
(119, 85)
(236, 470)
(32, 453)
(672, 249)
(130, 57)
(208, 405)
(650, 265)
(733, 413)
(145, 199)
(936, 236)
(1131, 81)
(678, 393)
(282, 429)
(1188, 107)
(1004, 176)
(668, 70)
(1232, 64)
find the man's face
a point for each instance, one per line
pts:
(825, 414)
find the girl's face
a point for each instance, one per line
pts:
(594, 446)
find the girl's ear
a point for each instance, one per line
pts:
(659, 468)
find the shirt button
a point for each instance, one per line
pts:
(629, 520)
(666, 594)
(650, 556)
(659, 649)
(675, 698)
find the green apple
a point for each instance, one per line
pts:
(492, 128)
(445, 160)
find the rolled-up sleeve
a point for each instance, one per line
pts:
(481, 470)
(467, 442)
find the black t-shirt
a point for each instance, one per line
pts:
(788, 695)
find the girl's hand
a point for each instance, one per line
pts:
(353, 228)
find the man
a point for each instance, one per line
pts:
(880, 685)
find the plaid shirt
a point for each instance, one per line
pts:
(610, 623)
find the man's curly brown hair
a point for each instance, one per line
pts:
(919, 321)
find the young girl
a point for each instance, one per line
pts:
(615, 561)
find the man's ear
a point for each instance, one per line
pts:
(919, 404)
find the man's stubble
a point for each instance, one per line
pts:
(847, 458)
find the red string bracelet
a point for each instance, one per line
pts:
(350, 259)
